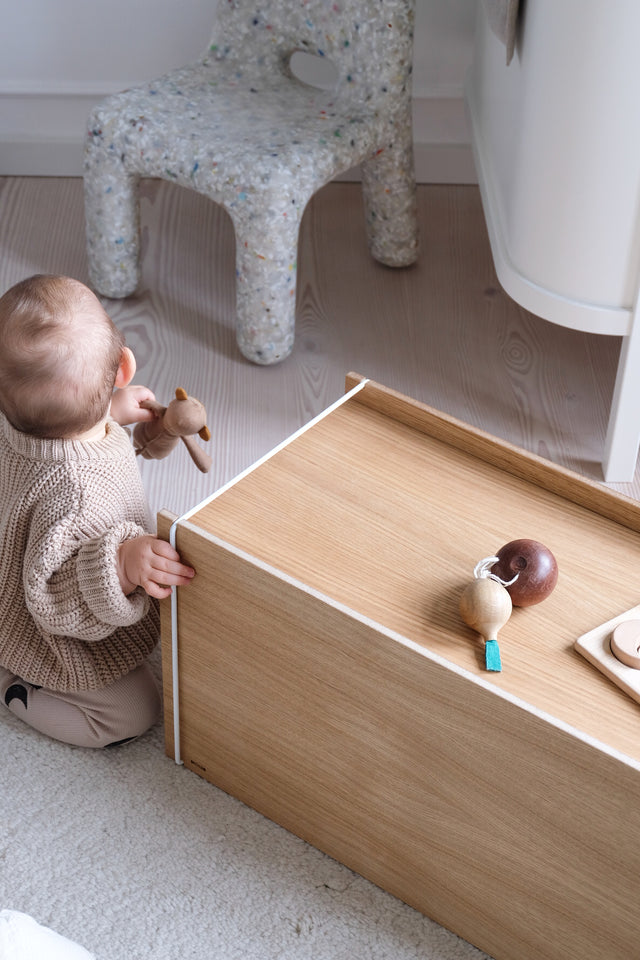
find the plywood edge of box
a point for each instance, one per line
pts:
(165, 521)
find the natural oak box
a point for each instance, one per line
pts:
(317, 668)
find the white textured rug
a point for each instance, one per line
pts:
(136, 858)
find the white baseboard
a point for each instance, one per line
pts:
(52, 147)
(41, 157)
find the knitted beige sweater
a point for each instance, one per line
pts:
(65, 506)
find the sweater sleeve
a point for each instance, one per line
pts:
(97, 572)
(72, 589)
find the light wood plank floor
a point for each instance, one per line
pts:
(442, 331)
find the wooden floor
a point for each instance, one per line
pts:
(442, 331)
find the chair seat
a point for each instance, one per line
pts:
(224, 136)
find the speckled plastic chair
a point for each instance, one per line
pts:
(238, 127)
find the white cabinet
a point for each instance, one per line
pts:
(556, 136)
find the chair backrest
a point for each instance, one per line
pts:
(369, 42)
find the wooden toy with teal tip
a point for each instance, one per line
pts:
(485, 605)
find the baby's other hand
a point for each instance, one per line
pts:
(125, 405)
(152, 564)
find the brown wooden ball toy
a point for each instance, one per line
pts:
(184, 419)
(528, 570)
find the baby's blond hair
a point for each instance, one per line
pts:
(59, 357)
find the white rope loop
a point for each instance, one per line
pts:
(482, 570)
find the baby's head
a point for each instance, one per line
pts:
(59, 358)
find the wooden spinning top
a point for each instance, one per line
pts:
(486, 606)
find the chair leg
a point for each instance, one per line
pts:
(266, 255)
(389, 194)
(112, 221)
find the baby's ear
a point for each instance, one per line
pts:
(126, 368)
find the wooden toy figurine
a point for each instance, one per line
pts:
(485, 605)
(183, 419)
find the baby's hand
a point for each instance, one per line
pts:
(152, 564)
(125, 405)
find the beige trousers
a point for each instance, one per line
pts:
(88, 718)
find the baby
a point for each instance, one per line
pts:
(80, 571)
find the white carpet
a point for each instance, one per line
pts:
(136, 858)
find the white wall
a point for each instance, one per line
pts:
(59, 56)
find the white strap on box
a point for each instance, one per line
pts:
(190, 513)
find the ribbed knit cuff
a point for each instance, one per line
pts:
(98, 578)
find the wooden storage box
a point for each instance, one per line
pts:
(323, 675)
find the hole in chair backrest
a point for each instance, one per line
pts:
(315, 70)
